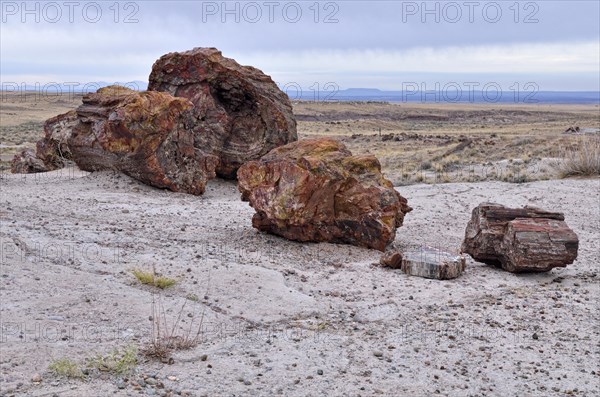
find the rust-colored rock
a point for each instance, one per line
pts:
(53, 149)
(520, 239)
(391, 258)
(316, 190)
(142, 134)
(538, 245)
(239, 112)
(26, 162)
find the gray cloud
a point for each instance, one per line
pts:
(353, 42)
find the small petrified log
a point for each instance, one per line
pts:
(26, 162)
(519, 239)
(432, 263)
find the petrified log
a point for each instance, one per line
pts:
(519, 239)
(239, 112)
(53, 149)
(316, 190)
(142, 134)
(26, 162)
(432, 263)
(537, 245)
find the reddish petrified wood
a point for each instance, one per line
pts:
(142, 134)
(53, 149)
(519, 239)
(26, 162)
(239, 112)
(315, 190)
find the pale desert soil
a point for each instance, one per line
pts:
(277, 313)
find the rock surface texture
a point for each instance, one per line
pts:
(27, 162)
(142, 134)
(520, 239)
(52, 151)
(316, 190)
(239, 112)
(432, 263)
(392, 259)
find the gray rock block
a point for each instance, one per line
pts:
(432, 263)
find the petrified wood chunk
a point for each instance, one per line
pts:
(432, 263)
(239, 112)
(519, 239)
(316, 190)
(142, 134)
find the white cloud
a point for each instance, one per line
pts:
(515, 58)
(120, 54)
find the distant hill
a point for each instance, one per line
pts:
(377, 95)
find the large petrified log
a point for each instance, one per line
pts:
(316, 190)
(520, 239)
(142, 134)
(239, 112)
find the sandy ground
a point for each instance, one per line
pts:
(284, 318)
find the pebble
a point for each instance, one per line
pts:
(378, 354)
(247, 382)
(36, 378)
(319, 372)
(150, 381)
(120, 384)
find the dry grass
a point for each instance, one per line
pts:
(66, 367)
(117, 362)
(151, 278)
(166, 338)
(436, 143)
(581, 160)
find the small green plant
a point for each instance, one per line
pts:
(151, 278)
(66, 367)
(192, 297)
(118, 361)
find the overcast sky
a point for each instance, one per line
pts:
(380, 44)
